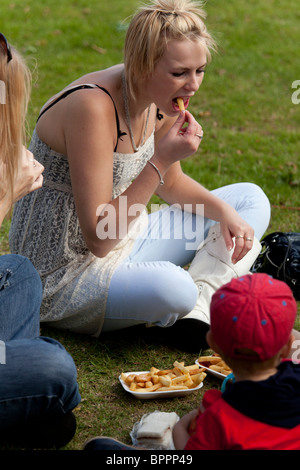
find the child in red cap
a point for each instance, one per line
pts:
(252, 320)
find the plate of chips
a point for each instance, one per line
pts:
(214, 365)
(155, 383)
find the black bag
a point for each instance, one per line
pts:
(280, 257)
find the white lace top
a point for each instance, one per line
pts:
(45, 228)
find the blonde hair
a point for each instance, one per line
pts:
(151, 29)
(15, 79)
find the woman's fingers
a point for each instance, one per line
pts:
(243, 244)
(29, 175)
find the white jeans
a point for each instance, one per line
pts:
(151, 286)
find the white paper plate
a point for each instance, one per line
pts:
(211, 371)
(158, 394)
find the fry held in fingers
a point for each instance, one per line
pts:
(180, 104)
(180, 377)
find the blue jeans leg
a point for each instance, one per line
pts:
(37, 382)
(37, 375)
(20, 298)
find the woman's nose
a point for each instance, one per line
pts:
(193, 82)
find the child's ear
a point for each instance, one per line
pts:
(286, 350)
(211, 342)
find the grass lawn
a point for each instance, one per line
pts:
(251, 133)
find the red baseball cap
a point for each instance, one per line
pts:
(255, 312)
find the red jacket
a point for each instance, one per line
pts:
(265, 417)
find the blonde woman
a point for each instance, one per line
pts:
(19, 172)
(36, 400)
(109, 141)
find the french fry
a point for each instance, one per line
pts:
(189, 383)
(226, 372)
(215, 363)
(216, 368)
(164, 372)
(194, 367)
(173, 387)
(149, 389)
(180, 104)
(124, 377)
(211, 359)
(155, 379)
(180, 366)
(198, 378)
(165, 380)
(196, 371)
(144, 378)
(180, 377)
(130, 378)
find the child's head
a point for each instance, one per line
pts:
(252, 318)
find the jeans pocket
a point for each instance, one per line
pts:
(4, 279)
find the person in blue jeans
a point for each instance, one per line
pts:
(38, 377)
(38, 387)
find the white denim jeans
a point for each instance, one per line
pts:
(151, 286)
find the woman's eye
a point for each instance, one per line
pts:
(180, 74)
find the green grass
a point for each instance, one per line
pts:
(251, 133)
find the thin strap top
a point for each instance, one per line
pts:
(81, 87)
(159, 116)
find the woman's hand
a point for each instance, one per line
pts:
(29, 177)
(181, 141)
(233, 226)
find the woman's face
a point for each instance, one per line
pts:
(178, 74)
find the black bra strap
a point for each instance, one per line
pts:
(80, 87)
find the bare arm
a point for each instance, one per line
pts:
(90, 138)
(183, 190)
(181, 430)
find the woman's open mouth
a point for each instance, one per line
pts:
(180, 102)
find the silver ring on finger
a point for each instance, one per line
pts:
(248, 239)
(199, 135)
(33, 161)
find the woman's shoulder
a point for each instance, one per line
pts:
(108, 78)
(105, 78)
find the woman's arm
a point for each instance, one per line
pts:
(90, 136)
(183, 190)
